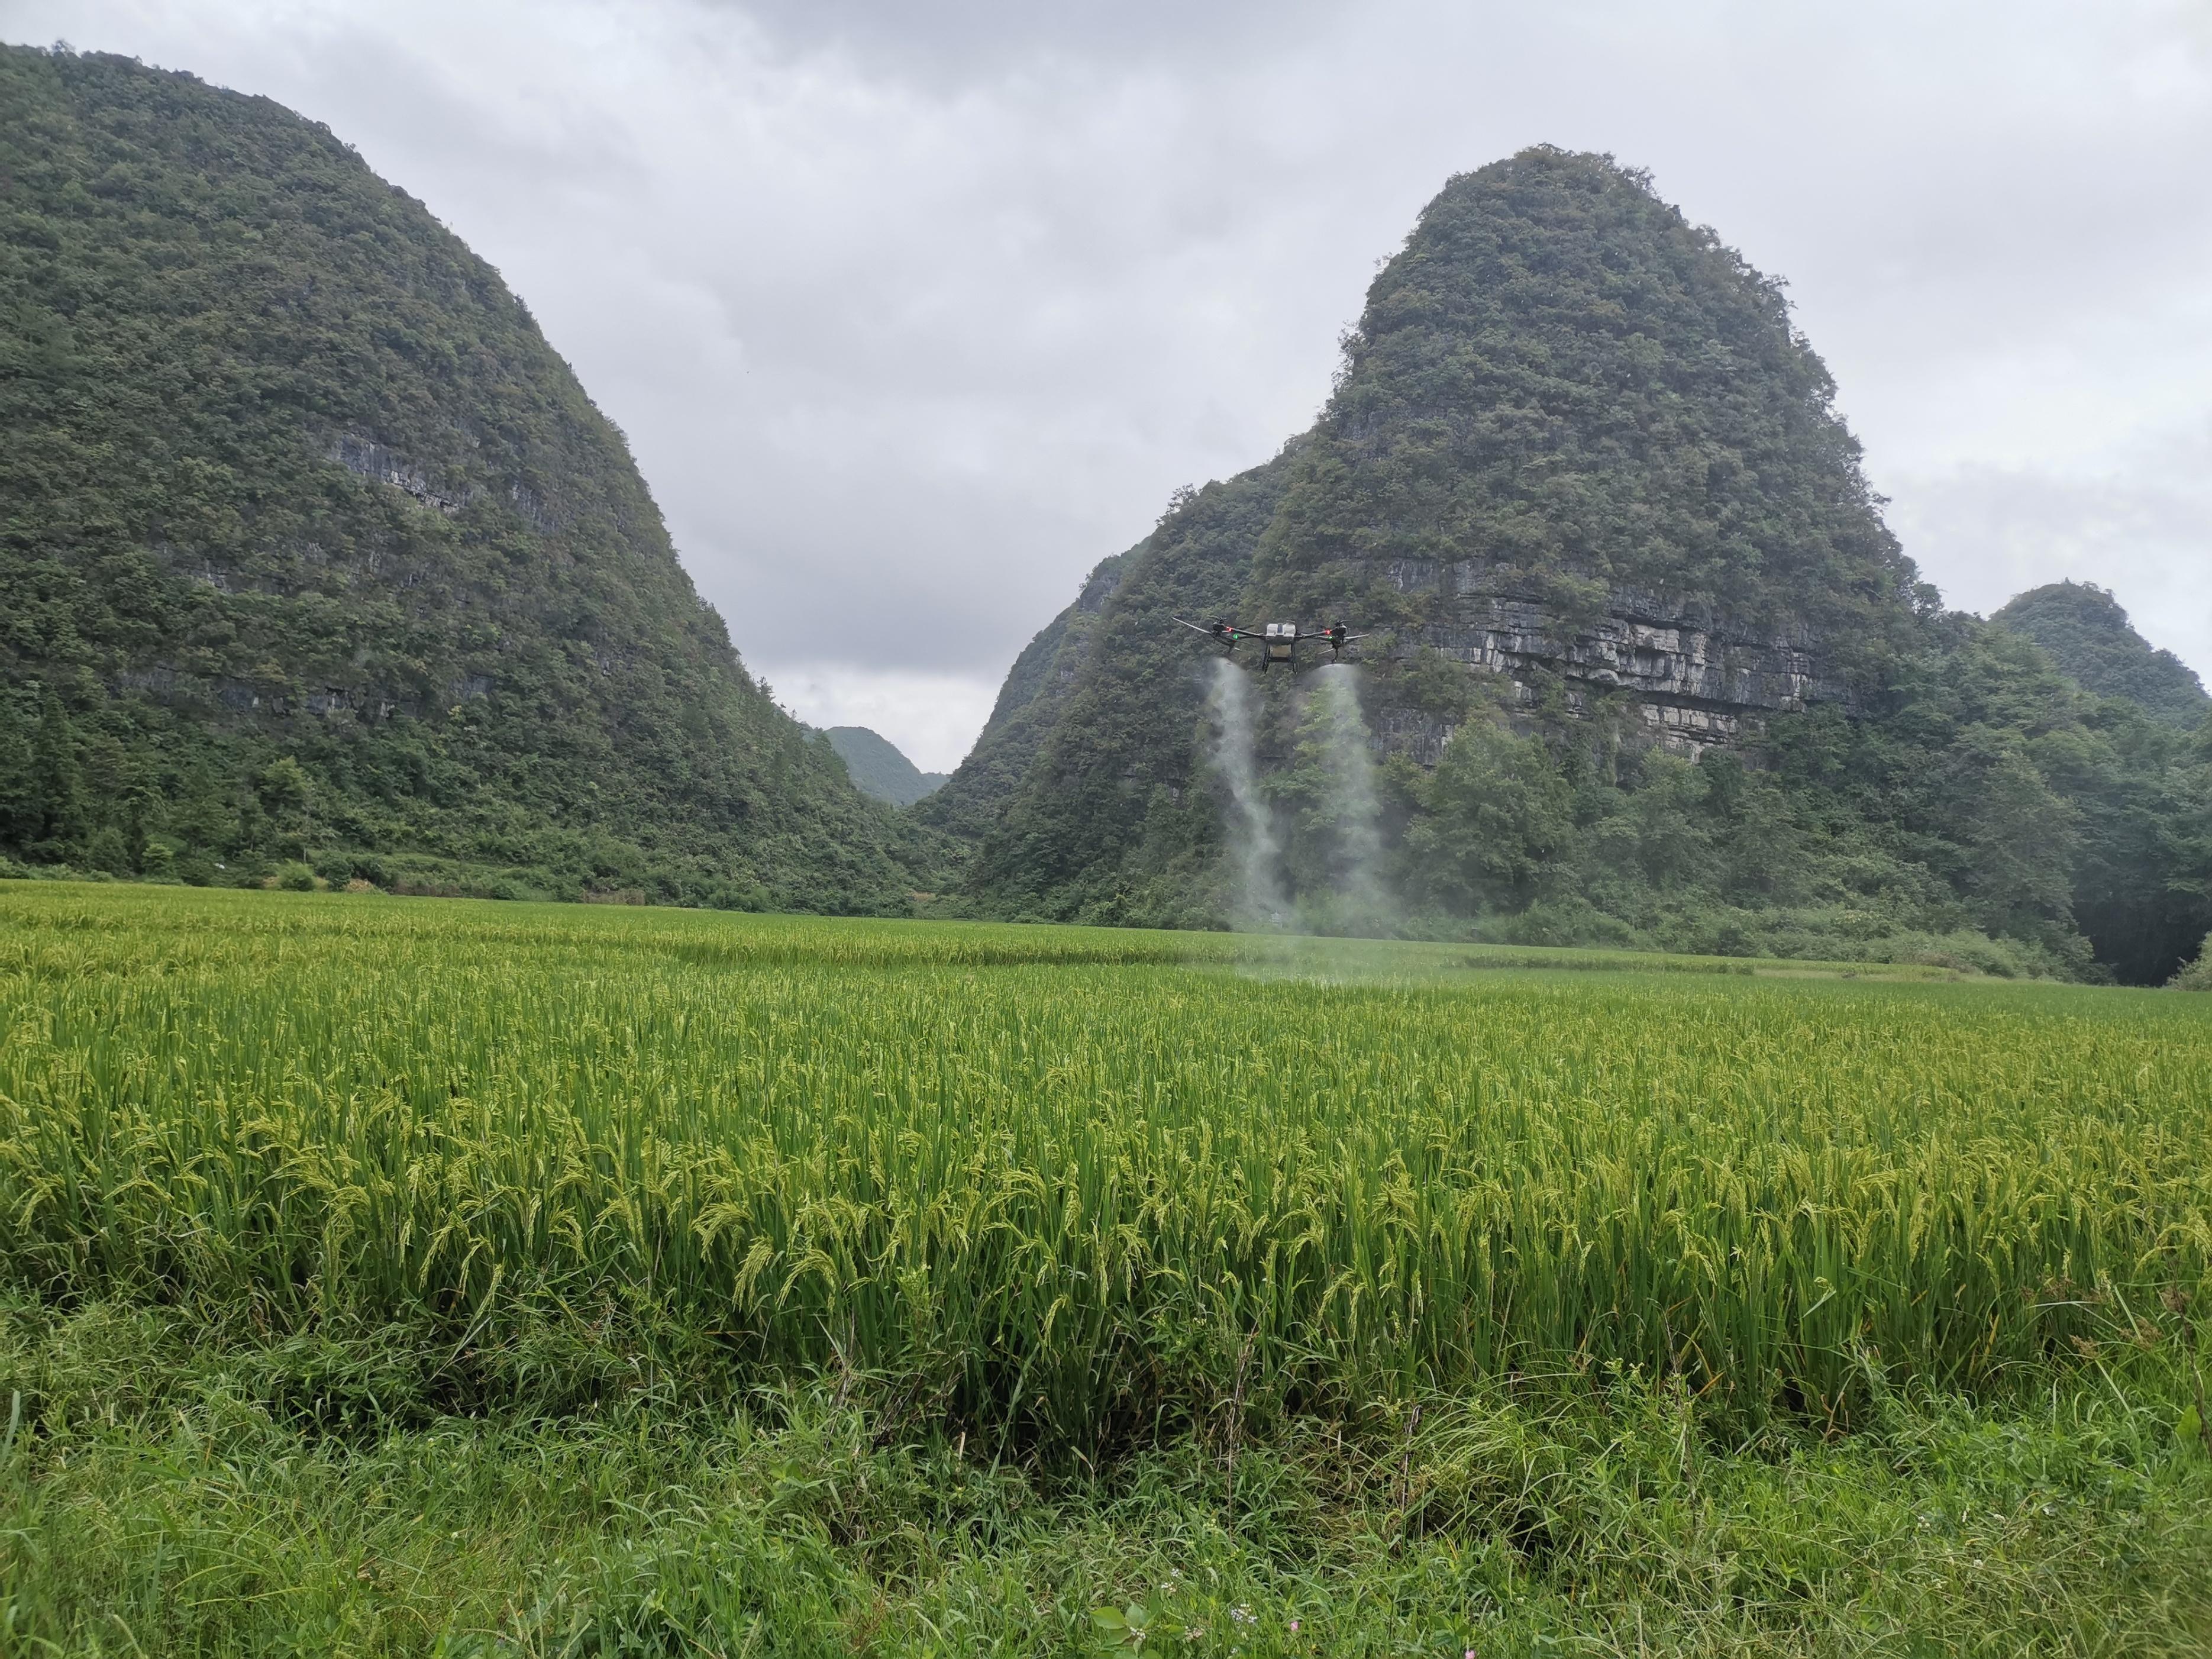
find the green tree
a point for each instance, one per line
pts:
(57, 781)
(2016, 839)
(21, 811)
(1495, 813)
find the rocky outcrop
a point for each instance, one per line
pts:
(1699, 678)
(364, 458)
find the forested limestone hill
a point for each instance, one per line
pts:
(313, 549)
(1649, 668)
(879, 768)
(2084, 630)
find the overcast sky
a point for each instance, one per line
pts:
(912, 310)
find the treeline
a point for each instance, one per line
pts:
(1993, 815)
(126, 789)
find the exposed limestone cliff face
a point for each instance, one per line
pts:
(366, 459)
(1699, 678)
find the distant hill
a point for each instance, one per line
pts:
(1646, 665)
(2085, 632)
(313, 549)
(879, 768)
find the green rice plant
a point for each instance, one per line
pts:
(1074, 1183)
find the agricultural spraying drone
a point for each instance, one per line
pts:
(1278, 641)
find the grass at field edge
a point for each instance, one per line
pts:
(161, 1495)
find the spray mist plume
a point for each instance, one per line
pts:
(1359, 900)
(1256, 855)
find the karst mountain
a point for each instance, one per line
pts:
(314, 551)
(2084, 630)
(879, 768)
(1649, 668)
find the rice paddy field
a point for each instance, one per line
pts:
(387, 1276)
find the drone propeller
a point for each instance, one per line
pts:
(1219, 629)
(1337, 637)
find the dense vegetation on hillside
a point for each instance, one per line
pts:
(1560, 371)
(1109, 773)
(2083, 629)
(879, 768)
(313, 550)
(1561, 377)
(1989, 811)
(1028, 705)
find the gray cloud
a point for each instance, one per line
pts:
(913, 312)
(962, 41)
(2143, 528)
